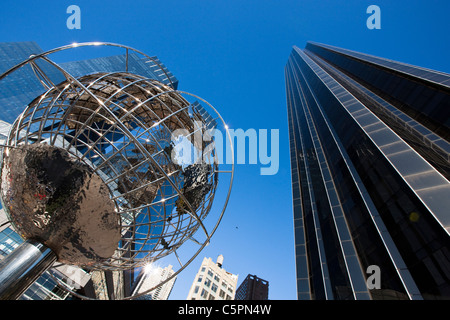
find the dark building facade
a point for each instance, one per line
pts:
(370, 161)
(253, 288)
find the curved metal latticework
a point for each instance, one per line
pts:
(129, 131)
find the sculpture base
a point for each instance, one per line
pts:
(22, 267)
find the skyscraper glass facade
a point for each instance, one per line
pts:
(370, 151)
(22, 86)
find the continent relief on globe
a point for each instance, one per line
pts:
(56, 199)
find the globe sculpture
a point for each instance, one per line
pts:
(93, 169)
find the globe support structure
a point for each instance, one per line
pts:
(22, 267)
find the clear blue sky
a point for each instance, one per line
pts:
(232, 53)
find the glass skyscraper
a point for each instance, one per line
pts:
(370, 161)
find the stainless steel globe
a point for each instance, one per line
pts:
(92, 170)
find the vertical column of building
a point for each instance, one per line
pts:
(304, 254)
(338, 250)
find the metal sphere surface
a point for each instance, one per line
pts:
(60, 202)
(120, 131)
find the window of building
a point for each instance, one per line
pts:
(214, 287)
(208, 283)
(222, 293)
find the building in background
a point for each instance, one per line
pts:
(369, 142)
(22, 86)
(253, 288)
(151, 276)
(16, 91)
(212, 282)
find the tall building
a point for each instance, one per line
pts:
(150, 277)
(253, 288)
(16, 91)
(369, 142)
(212, 282)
